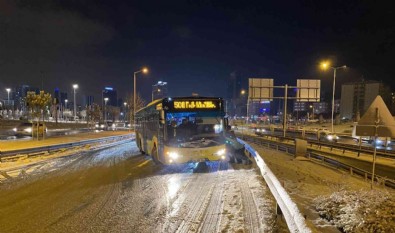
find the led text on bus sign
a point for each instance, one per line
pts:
(194, 105)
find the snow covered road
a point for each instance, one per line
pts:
(118, 190)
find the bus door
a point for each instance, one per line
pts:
(162, 133)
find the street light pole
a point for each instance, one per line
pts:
(325, 65)
(144, 70)
(75, 86)
(124, 110)
(8, 94)
(105, 109)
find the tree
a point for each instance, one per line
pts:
(38, 104)
(114, 112)
(140, 103)
(93, 114)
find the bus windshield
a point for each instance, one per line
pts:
(193, 129)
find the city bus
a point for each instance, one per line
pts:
(182, 129)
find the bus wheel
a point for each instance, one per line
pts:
(154, 154)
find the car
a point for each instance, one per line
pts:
(108, 125)
(100, 126)
(328, 137)
(29, 129)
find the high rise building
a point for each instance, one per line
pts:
(159, 90)
(236, 102)
(63, 97)
(20, 94)
(88, 100)
(356, 97)
(111, 94)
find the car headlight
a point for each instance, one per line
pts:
(173, 155)
(258, 130)
(378, 141)
(14, 129)
(29, 130)
(96, 125)
(221, 152)
(102, 126)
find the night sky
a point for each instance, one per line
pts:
(193, 45)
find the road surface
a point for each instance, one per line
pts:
(118, 190)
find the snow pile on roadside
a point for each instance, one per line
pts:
(359, 211)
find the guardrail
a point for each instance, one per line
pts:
(345, 147)
(52, 148)
(294, 219)
(322, 156)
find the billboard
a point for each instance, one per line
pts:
(260, 89)
(308, 90)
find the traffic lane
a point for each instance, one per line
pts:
(57, 196)
(117, 190)
(381, 169)
(10, 135)
(347, 140)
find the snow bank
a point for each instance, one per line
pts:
(294, 219)
(359, 211)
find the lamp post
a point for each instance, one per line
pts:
(312, 113)
(326, 65)
(8, 94)
(144, 70)
(105, 109)
(124, 109)
(75, 86)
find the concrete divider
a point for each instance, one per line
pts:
(292, 215)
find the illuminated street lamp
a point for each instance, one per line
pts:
(312, 113)
(125, 104)
(105, 108)
(325, 66)
(8, 94)
(65, 103)
(144, 71)
(75, 86)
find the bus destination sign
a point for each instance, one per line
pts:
(195, 104)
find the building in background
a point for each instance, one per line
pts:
(63, 97)
(19, 96)
(88, 100)
(356, 98)
(236, 98)
(111, 94)
(159, 90)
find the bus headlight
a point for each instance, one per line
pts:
(29, 130)
(14, 129)
(220, 152)
(173, 155)
(330, 137)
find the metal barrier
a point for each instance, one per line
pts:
(286, 146)
(48, 149)
(293, 217)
